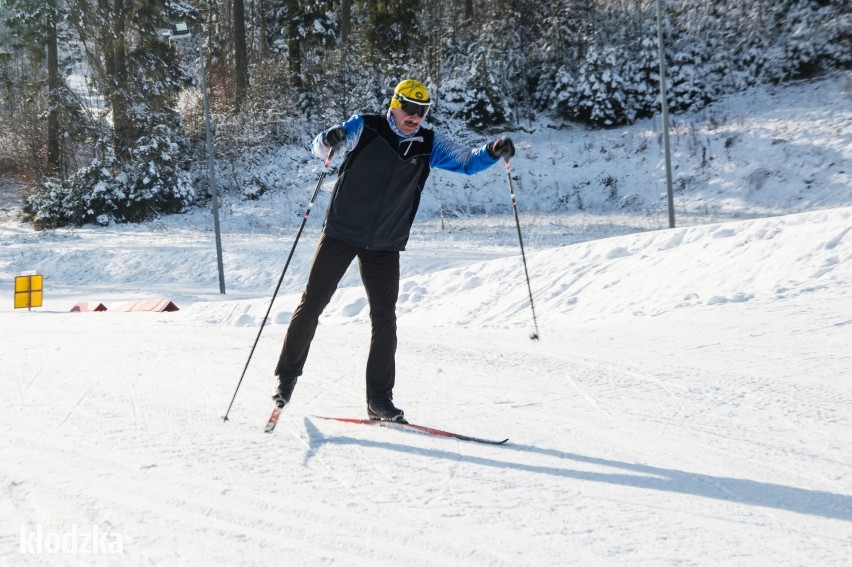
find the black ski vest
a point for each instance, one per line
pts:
(378, 190)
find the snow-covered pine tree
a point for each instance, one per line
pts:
(141, 169)
(642, 78)
(806, 42)
(483, 103)
(601, 95)
(555, 53)
(563, 95)
(686, 74)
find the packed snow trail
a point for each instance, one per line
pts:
(647, 428)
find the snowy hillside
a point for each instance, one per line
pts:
(689, 402)
(753, 154)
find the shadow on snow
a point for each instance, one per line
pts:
(742, 491)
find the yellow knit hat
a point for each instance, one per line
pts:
(412, 91)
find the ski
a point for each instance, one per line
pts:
(412, 427)
(273, 419)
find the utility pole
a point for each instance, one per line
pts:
(665, 108)
(181, 31)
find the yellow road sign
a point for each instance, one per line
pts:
(29, 291)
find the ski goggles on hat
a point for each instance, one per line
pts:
(412, 107)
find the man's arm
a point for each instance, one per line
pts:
(353, 127)
(452, 156)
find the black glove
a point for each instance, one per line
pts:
(502, 148)
(335, 136)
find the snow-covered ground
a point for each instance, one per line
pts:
(689, 402)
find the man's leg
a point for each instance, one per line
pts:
(331, 260)
(380, 274)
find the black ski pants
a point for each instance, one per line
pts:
(380, 275)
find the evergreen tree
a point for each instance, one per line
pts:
(748, 36)
(393, 31)
(312, 63)
(563, 95)
(140, 171)
(601, 97)
(807, 42)
(686, 75)
(37, 30)
(562, 32)
(484, 103)
(642, 79)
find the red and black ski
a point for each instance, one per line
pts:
(273, 419)
(405, 426)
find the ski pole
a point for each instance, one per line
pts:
(534, 336)
(281, 279)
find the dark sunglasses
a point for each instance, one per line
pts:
(411, 107)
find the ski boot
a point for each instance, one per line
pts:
(384, 410)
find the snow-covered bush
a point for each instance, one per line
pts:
(642, 79)
(810, 41)
(687, 78)
(473, 96)
(155, 180)
(106, 191)
(600, 96)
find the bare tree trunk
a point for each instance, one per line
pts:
(259, 31)
(53, 157)
(240, 54)
(345, 55)
(345, 20)
(294, 44)
(111, 40)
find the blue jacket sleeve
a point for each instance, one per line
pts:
(354, 126)
(452, 156)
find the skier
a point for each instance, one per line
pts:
(387, 160)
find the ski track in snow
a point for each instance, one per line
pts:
(632, 438)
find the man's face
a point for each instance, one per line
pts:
(406, 123)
